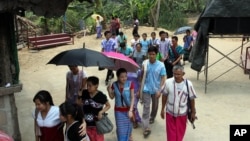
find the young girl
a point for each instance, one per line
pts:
(72, 115)
(123, 92)
(134, 77)
(145, 43)
(95, 104)
(47, 118)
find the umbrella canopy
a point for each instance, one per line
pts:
(182, 30)
(122, 61)
(94, 16)
(82, 57)
(5, 137)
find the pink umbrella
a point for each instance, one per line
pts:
(5, 137)
(122, 61)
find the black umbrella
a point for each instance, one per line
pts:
(82, 57)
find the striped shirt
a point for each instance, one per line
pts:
(164, 47)
(177, 96)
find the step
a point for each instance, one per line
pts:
(45, 37)
(51, 44)
(50, 41)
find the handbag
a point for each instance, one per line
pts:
(189, 112)
(104, 125)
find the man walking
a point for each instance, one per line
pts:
(108, 45)
(176, 91)
(154, 74)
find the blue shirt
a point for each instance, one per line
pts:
(145, 45)
(127, 51)
(154, 73)
(121, 39)
(187, 41)
(108, 45)
(179, 50)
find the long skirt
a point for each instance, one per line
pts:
(98, 32)
(186, 54)
(137, 116)
(93, 135)
(52, 133)
(123, 126)
(176, 127)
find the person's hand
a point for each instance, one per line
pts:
(109, 89)
(100, 114)
(130, 114)
(163, 114)
(158, 94)
(193, 116)
(138, 95)
(82, 128)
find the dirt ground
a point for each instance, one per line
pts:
(226, 101)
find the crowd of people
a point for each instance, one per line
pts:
(161, 75)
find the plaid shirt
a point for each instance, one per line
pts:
(108, 45)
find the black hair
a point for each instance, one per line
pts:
(166, 34)
(153, 33)
(136, 35)
(121, 33)
(188, 31)
(152, 49)
(123, 44)
(139, 44)
(175, 37)
(68, 108)
(43, 96)
(93, 79)
(161, 32)
(106, 33)
(144, 34)
(120, 71)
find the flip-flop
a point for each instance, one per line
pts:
(146, 133)
(151, 121)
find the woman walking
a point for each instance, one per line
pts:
(75, 82)
(95, 104)
(98, 27)
(47, 120)
(123, 92)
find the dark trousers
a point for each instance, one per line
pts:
(169, 69)
(109, 75)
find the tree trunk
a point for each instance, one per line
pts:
(9, 70)
(155, 13)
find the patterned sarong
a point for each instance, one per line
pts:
(123, 126)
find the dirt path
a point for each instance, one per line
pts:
(225, 103)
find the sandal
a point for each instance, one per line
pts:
(146, 133)
(151, 121)
(135, 125)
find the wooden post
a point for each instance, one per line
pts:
(9, 71)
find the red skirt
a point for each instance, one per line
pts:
(52, 133)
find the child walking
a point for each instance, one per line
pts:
(72, 115)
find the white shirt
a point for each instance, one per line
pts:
(52, 118)
(177, 96)
(84, 75)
